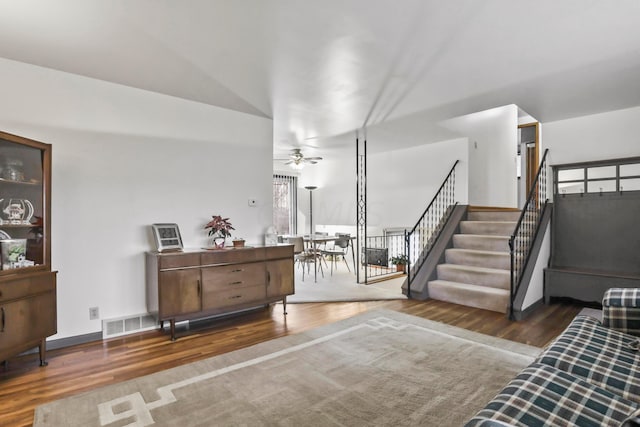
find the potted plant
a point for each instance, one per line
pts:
(399, 261)
(238, 242)
(219, 229)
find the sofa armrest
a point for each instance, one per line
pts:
(621, 310)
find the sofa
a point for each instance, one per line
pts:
(588, 376)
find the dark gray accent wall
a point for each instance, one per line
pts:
(597, 232)
(595, 245)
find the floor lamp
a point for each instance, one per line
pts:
(310, 188)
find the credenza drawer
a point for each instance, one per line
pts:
(23, 287)
(179, 260)
(231, 297)
(232, 276)
(232, 256)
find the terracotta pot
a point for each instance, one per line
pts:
(400, 267)
(238, 243)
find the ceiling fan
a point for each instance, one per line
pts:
(297, 160)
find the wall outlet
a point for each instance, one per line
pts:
(94, 313)
(253, 203)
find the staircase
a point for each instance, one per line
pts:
(477, 270)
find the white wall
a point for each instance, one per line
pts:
(602, 136)
(124, 158)
(400, 184)
(493, 136)
(535, 292)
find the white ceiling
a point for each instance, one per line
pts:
(322, 69)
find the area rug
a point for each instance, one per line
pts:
(342, 286)
(378, 368)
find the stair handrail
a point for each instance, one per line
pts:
(526, 230)
(438, 210)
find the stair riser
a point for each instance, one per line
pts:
(498, 280)
(471, 298)
(483, 243)
(487, 228)
(494, 216)
(502, 261)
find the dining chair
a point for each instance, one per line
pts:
(321, 245)
(339, 249)
(302, 256)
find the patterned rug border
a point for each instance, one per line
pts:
(268, 350)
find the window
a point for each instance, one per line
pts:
(606, 176)
(285, 202)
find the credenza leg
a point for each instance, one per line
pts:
(43, 351)
(173, 329)
(284, 305)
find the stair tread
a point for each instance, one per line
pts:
(484, 236)
(491, 222)
(484, 228)
(472, 287)
(479, 251)
(474, 268)
(470, 295)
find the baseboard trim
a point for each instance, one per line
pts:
(67, 342)
(523, 314)
(75, 340)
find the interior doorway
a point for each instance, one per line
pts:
(529, 157)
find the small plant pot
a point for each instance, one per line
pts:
(400, 268)
(238, 243)
(218, 242)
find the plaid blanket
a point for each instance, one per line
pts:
(544, 396)
(601, 356)
(621, 310)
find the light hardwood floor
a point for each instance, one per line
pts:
(24, 385)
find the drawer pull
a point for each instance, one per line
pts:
(199, 288)
(238, 270)
(236, 283)
(235, 297)
(2, 309)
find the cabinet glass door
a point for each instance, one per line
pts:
(22, 203)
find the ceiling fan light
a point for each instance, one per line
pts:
(297, 165)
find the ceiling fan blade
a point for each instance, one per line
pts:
(298, 160)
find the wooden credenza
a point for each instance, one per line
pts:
(199, 283)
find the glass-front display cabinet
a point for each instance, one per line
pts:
(27, 284)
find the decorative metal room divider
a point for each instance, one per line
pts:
(361, 207)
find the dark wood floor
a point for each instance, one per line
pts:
(24, 385)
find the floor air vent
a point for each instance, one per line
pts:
(128, 325)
